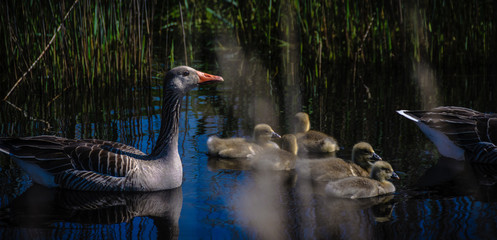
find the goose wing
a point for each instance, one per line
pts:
(89, 181)
(100, 159)
(113, 146)
(45, 151)
(56, 154)
(462, 125)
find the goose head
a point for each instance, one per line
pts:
(302, 123)
(364, 155)
(263, 133)
(177, 82)
(183, 78)
(382, 171)
(289, 143)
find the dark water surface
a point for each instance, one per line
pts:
(268, 82)
(219, 199)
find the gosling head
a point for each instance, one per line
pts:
(364, 155)
(302, 123)
(263, 133)
(382, 171)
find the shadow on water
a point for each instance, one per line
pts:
(98, 214)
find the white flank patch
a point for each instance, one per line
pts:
(444, 145)
(402, 112)
(38, 174)
(4, 151)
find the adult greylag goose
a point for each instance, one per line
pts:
(98, 165)
(275, 158)
(329, 169)
(459, 132)
(364, 187)
(241, 147)
(311, 141)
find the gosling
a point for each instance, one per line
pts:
(241, 147)
(363, 187)
(311, 141)
(278, 159)
(330, 169)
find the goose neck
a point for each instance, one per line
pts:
(167, 142)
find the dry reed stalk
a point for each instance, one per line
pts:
(42, 53)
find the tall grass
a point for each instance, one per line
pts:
(120, 35)
(330, 50)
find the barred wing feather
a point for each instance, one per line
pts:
(89, 181)
(94, 158)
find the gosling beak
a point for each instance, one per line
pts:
(205, 78)
(275, 135)
(375, 157)
(394, 175)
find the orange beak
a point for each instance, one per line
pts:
(206, 78)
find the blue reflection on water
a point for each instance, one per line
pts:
(211, 197)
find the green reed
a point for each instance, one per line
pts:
(347, 38)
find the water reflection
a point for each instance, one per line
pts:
(77, 214)
(217, 163)
(453, 199)
(455, 177)
(354, 218)
(432, 215)
(278, 205)
(266, 204)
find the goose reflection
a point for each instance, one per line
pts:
(78, 214)
(460, 178)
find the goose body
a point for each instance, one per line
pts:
(275, 158)
(458, 132)
(330, 169)
(311, 141)
(364, 187)
(241, 147)
(97, 165)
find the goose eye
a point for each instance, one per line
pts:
(186, 73)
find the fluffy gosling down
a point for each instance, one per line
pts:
(277, 159)
(324, 170)
(311, 141)
(363, 187)
(241, 147)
